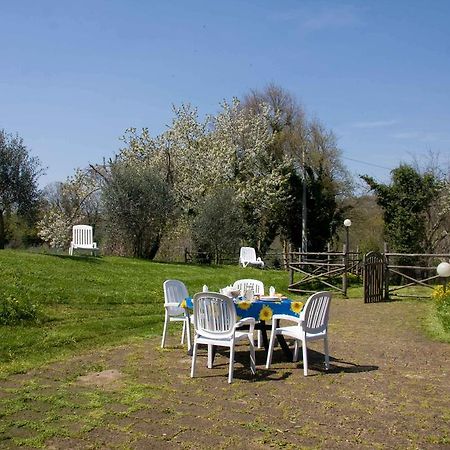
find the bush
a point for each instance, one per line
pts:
(442, 302)
(16, 306)
(217, 228)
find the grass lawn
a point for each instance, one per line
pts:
(88, 302)
(388, 392)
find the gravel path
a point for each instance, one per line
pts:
(388, 387)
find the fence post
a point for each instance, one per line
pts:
(328, 256)
(386, 272)
(344, 275)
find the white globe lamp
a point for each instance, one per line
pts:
(443, 270)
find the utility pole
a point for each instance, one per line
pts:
(304, 210)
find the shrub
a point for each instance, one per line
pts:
(16, 306)
(218, 227)
(442, 302)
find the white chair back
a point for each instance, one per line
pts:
(175, 291)
(82, 236)
(214, 315)
(315, 313)
(248, 283)
(248, 254)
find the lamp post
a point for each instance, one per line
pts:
(347, 224)
(443, 270)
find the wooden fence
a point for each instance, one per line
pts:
(329, 269)
(385, 275)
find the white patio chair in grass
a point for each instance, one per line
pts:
(311, 325)
(174, 293)
(258, 289)
(82, 239)
(247, 256)
(215, 323)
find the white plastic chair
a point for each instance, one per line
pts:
(82, 239)
(247, 256)
(248, 283)
(311, 325)
(258, 289)
(174, 293)
(215, 323)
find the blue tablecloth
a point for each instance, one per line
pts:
(260, 309)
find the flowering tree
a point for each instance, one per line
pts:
(200, 157)
(74, 201)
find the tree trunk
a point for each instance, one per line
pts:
(154, 247)
(2, 230)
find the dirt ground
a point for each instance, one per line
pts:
(388, 387)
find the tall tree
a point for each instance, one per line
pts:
(312, 160)
(19, 173)
(405, 203)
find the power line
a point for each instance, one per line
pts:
(367, 163)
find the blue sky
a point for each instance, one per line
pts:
(74, 75)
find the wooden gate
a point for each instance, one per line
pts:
(373, 277)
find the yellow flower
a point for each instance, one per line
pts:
(438, 292)
(244, 305)
(183, 304)
(265, 313)
(296, 307)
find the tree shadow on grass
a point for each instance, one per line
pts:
(316, 362)
(241, 367)
(87, 259)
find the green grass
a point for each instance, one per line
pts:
(88, 302)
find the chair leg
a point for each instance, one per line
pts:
(210, 356)
(327, 354)
(166, 322)
(194, 356)
(252, 355)
(271, 344)
(305, 358)
(230, 372)
(259, 339)
(183, 333)
(188, 329)
(296, 351)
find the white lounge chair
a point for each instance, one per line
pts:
(174, 293)
(82, 239)
(311, 325)
(248, 256)
(215, 323)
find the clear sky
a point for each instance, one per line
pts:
(75, 74)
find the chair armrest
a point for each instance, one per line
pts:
(276, 317)
(168, 305)
(246, 321)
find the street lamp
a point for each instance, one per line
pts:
(443, 270)
(347, 224)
